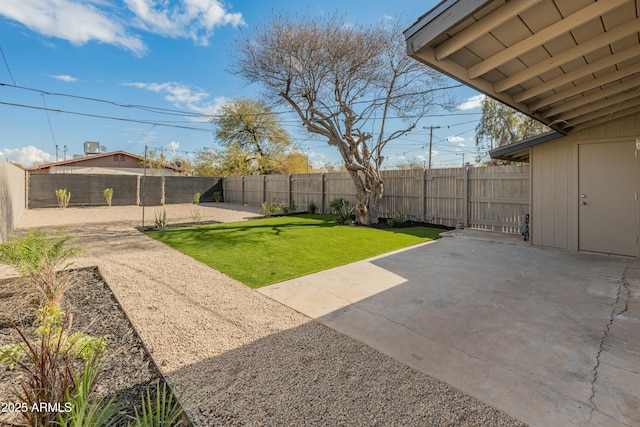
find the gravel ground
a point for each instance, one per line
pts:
(242, 358)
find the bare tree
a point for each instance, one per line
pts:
(353, 85)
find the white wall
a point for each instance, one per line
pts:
(12, 198)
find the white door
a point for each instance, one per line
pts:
(608, 198)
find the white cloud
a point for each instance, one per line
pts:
(455, 139)
(27, 156)
(194, 19)
(186, 97)
(83, 21)
(77, 22)
(64, 78)
(471, 103)
(421, 158)
(173, 146)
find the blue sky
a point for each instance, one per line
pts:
(168, 55)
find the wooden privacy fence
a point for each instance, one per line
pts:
(491, 198)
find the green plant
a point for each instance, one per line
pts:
(336, 204)
(217, 196)
(108, 195)
(161, 219)
(390, 222)
(270, 208)
(288, 209)
(344, 213)
(196, 198)
(166, 411)
(84, 411)
(38, 257)
(400, 217)
(312, 208)
(63, 197)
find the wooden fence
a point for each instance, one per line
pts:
(492, 198)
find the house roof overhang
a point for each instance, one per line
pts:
(570, 64)
(519, 151)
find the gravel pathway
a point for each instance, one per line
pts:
(242, 358)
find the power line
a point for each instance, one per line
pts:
(7, 65)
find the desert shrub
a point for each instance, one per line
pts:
(288, 209)
(271, 208)
(38, 257)
(161, 219)
(108, 195)
(196, 198)
(336, 204)
(217, 196)
(400, 217)
(344, 213)
(312, 208)
(63, 197)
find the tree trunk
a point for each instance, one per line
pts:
(367, 210)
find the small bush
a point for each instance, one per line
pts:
(271, 208)
(161, 219)
(39, 257)
(291, 208)
(344, 213)
(336, 204)
(312, 208)
(400, 218)
(108, 195)
(217, 196)
(196, 198)
(63, 197)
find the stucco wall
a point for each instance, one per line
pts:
(554, 179)
(12, 198)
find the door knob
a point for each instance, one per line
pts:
(583, 196)
(583, 203)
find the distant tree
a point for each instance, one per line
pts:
(250, 126)
(296, 162)
(346, 83)
(502, 125)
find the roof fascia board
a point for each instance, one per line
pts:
(441, 18)
(502, 152)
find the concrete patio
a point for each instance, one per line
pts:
(548, 336)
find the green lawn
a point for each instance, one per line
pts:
(265, 251)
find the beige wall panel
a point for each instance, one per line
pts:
(554, 171)
(537, 189)
(560, 194)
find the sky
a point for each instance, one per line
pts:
(121, 65)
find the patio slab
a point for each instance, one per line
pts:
(550, 337)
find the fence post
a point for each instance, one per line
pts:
(289, 189)
(423, 196)
(466, 197)
(322, 191)
(242, 194)
(264, 188)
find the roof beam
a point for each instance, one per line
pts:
(563, 26)
(592, 97)
(482, 27)
(620, 113)
(619, 108)
(595, 106)
(623, 55)
(601, 81)
(569, 55)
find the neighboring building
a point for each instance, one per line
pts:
(117, 162)
(575, 66)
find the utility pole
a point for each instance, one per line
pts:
(431, 128)
(461, 154)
